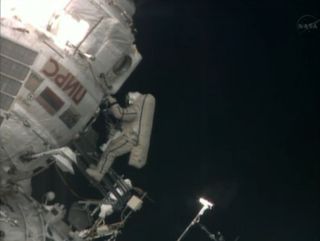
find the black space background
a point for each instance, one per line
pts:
(237, 89)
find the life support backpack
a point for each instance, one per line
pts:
(139, 153)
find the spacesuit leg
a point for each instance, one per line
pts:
(117, 147)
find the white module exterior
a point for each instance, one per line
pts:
(100, 62)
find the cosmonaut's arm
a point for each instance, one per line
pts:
(125, 114)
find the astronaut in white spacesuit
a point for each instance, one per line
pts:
(128, 138)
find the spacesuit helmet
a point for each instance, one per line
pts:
(131, 97)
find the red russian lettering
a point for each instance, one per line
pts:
(65, 80)
(71, 86)
(60, 79)
(48, 67)
(77, 97)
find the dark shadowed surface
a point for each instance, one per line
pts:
(237, 89)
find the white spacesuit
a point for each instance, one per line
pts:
(136, 124)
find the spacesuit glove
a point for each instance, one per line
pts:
(111, 100)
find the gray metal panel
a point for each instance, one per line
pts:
(70, 117)
(5, 101)
(33, 82)
(50, 101)
(12, 68)
(17, 51)
(9, 85)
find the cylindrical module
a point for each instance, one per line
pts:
(20, 219)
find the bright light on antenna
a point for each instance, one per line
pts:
(206, 203)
